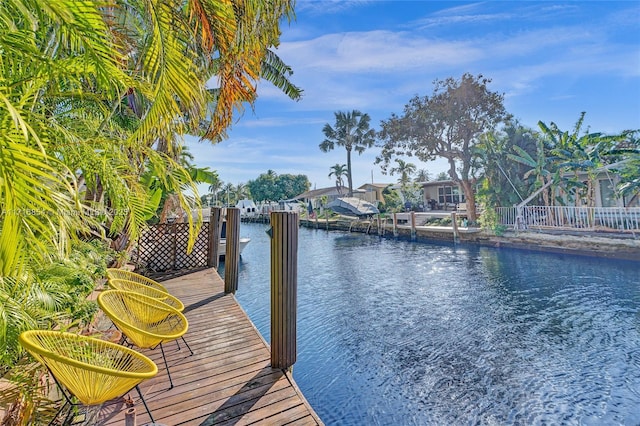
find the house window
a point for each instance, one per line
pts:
(607, 193)
(450, 195)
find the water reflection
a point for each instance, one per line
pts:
(393, 332)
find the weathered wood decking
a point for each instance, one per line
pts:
(228, 380)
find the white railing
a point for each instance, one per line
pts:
(565, 217)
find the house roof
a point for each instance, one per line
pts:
(376, 185)
(438, 182)
(315, 193)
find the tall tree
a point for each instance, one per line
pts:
(351, 131)
(339, 170)
(448, 124)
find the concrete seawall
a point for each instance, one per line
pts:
(612, 245)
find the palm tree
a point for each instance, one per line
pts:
(242, 191)
(339, 170)
(405, 169)
(443, 176)
(352, 132)
(423, 175)
(215, 188)
(228, 191)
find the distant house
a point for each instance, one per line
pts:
(373, 192)
(315, 195)
(247, 208)
(442, 194)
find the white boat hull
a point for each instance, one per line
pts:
(222, 246)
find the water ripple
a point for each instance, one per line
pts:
(399, 333)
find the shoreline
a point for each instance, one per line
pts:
(608, 245)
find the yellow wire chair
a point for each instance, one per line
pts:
(122, 274)
(90, 369)
(136, 287)
(146, 322)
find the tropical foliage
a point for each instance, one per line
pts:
(405, 169)
(557, 167)
(94, 100)
(270, 186)
(338, 171)
(422, 175)
(503, 181)
(448, 124)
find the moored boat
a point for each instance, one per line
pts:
(222, 246)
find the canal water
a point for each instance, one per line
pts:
(398, 333)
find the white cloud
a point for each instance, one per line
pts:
(328, 7)
(536, 63)
(374, 52)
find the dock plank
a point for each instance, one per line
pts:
(228, 379)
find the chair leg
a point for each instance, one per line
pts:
(145, 404)
(166, 365)
(185, 342)
(66, 402)
(67, 399)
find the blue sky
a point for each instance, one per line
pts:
(551, 60)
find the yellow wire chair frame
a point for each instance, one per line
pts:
(122, 274)
(145, 321)
(136, 287)
(91, 369)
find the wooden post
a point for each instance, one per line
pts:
(130, 417)
(454, 223)
(284, 288)
(413, 226)
(395, 225)
(232, 254)
(215, 227)
(378, 222)
(326, 219)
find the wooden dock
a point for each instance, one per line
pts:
(227, 381)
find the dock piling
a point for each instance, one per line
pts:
(215, 227)
(454, 224)
(232, 253)
(395, 225)
(413, 226)
(284, 287)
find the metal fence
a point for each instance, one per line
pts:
(615, 219)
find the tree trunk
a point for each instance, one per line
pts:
(470, 197)
(172, 208)
(350, 179)
(545, 194)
